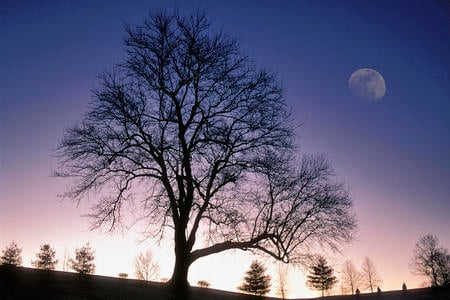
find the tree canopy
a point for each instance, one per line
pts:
(202, 142)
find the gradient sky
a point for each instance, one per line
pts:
(394, 154)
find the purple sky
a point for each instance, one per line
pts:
(394, 153)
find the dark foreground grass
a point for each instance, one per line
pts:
(26, 283)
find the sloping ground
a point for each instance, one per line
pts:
(413, 294)
(26, 283)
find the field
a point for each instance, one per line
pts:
(26, 283)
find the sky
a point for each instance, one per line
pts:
(393, 154)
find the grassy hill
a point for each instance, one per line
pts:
(26, 283)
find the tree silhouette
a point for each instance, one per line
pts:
(11, 255)
(321, 276)
(431, 261)
(369, 275)
(144, 266)
(282, 289)
(65, 262)
(350, 277)
(188, 125)
(84, 260)
(45, 258)
(256, 281)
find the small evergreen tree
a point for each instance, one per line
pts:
(11, 255)
(256, 281)
(83, 262)
(322, 276)
(45, 258)
(123, 275)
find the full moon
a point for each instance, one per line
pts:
(367, 84)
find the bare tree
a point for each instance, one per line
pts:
(350, 277)
(65, 262)
(369, 275)
(282, 276)
(431, 261)
(144, 266)
(189, 127)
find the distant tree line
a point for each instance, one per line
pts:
(430, 261)
(45, 258)
(145, 266)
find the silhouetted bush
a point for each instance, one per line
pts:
(203, 284)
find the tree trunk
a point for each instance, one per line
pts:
(179, 282)
(180, 273)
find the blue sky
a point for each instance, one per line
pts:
(393, 154)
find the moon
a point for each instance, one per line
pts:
(367, 84)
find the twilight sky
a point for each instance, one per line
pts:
(394, 153)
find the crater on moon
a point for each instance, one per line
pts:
(367, 84)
